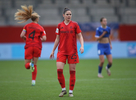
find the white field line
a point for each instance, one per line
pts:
(77, 80)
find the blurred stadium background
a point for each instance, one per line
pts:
(15, 80)
(121, 15)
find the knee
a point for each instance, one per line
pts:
(102, 62)
(72, 69)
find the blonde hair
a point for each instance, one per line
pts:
(26, 13)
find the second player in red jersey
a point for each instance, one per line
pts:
(33, 34)
(66, 40)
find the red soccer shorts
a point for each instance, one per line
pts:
(31, 52)
(72, 59)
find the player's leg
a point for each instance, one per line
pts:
(72, 60)
(72, 68)
(61, 78)
(61, 61)
(36, 55)
(28, 57)
(34, 73)
(101, 57)
(109, 58)
(27, 63)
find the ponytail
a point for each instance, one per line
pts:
(25, 14)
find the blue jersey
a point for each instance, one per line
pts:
(100, 30)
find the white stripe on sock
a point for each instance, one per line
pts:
(70, 91)
(63, 89)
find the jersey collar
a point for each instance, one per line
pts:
(68, 23)
(102, 27)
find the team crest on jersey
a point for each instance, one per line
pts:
(61, 27)
(70, 27)
(57, 30)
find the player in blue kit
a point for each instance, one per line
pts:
(104, 46)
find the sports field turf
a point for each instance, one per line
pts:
(15, 81)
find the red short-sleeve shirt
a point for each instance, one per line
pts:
(33, 34)
(68, 41)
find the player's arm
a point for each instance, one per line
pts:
(22, 35)
(55, 46)
(101, 36)
(81, 42)
(43, 35)
(43, 38)
(110, 42)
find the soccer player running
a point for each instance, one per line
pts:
(33, 34)
(104, 46)
(66, 34)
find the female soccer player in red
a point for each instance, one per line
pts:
(66, 33)
(104, 46)
(33, 34)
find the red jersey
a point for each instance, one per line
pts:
(33, 34)
(68, 41)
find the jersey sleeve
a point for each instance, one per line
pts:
(43, 32)
(97, 33)
(24, 28)
(78, 30)
(57, 30)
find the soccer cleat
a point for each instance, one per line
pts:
(71, 95)
(62, 93)
(33, 84)
(100, 76)
(32, 66)
(108, 71)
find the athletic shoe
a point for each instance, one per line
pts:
(32, 66)
(62, 93)
(108, 71)
(71, 95)
(100, 76)
(33, 84)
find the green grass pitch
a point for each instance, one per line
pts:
(15, 81)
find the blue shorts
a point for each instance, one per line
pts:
(104, 49)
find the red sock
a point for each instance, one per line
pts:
(27, 65)
(61, 78)
(72, 80)
(34, 74)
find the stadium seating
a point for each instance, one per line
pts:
(110, 18)
(101, 11)
(123, 11)
(132, 3)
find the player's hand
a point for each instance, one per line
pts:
(104, 32)
(110, 46)
(41, 39)
(52, 55)
(24, 38)
(81, 50)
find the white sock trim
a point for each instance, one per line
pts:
(70, 91)
(63, 89)
(33, 81)
(30, 63)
